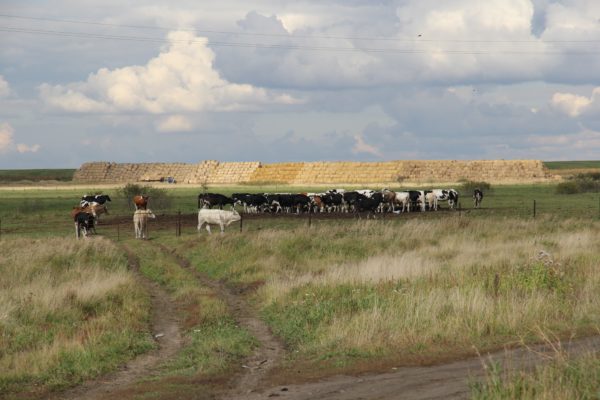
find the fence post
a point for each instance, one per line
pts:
(534, 208)
(309, 219)
(241, 222)
(178, 223)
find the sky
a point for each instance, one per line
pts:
(302, 80)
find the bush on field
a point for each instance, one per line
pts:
(470, 186)
(159, 198)
(581, 183)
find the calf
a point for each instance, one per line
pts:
(140, 223)
(84, 223)
(216, 217)
(477, 198)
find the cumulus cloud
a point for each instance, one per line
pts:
(570, 104)
(360, 146)
(7, 141)
(175, 123)
(6, 137)
(4, 87)
(182, 78)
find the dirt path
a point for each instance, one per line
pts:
(447, 381)
(165, 331)
(269, 351)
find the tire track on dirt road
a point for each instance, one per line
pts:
(270, 349)
(446, 381)
(165, 332)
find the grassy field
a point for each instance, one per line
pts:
(69, 311)
(419, 292)
(35, 175)
(554, 165)
(344, 295)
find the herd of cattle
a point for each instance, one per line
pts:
(86, 214)
(338, 200)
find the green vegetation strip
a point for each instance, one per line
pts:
(572, 164)
(36, 175)
(69, 311)
(421, 290)
(214, 340)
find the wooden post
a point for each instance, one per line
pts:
(241, 222)
(309, 219)
(178, 223)
(534, 208)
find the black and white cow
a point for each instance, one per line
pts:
(477, 198)
(252, 202)
(416, 200)
(84, 224)
(90, 199)
(371, 204)
(209, 200)
(449, 195)
(350, 199)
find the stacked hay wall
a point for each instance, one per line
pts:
(233, 172)
(308, 173)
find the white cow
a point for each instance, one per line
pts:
(140, 223)
(432, 201)
(222, 218)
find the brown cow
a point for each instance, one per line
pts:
(94, 209)
(141, 202)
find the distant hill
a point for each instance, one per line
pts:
(36, 175)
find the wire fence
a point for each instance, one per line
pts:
(178, 223)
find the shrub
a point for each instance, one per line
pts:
(470, 186)
(581, 183)
(159, 198)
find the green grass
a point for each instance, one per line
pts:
(68, 312)
(563, 378)
(215, 343)
(412, 290)
(36, 175)
(554, 165)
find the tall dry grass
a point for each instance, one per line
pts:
(458, 284)
(68, 310)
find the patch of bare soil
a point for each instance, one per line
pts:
(269, 351)
(166, 333)
(446, 381)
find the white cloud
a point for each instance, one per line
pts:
(360, 146)
(570, 104)
(23, 148)
(175, 123)
(181, 78)
(6, 137)
(581, 145)
(4, 87)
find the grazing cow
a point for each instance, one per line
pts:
(216, 217)
(84, 223)
(317, 202)
(432, 201)
(140, 202)
(250, 201)
(213, 199)
(389, 200)
(477, 198)
(94, 199)
(140, 222)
